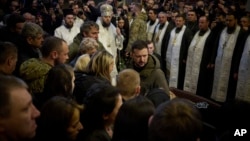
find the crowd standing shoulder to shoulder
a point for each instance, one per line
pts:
(199, 46)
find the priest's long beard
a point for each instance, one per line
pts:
(230, 30)
(105, 24)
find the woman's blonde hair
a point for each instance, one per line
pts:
(100, 63)
(82, 63)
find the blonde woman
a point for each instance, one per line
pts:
(101, 65)
(81, 63)
(98, 71)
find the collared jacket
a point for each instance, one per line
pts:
(151, 75)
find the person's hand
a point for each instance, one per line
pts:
(17, 11)
(127, 54)
(118, 31)
(171, 95)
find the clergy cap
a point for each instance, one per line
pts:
(67, 12)
(106, 10)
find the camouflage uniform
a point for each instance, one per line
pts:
(138, 30)
(34, 72)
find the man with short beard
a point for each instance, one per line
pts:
(67, 31)
(148, 66)
(198, 77)
(152, 23)
(175, 52)
(34, 71)
(108, 33)
(226, 61)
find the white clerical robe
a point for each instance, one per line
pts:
(173, 54)
(107, 37)
(159, 34)
(67, 34)
(243, 84)
(195, 52)
(150, 29)
(78, 22)
(223, 64)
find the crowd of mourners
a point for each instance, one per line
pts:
(91, 70)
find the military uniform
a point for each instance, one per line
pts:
(34, 72)
(138, 30)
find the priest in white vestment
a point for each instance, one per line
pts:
(223, 62)
(195, 55)
(243, 84)
(67, 31)
(160, 32)
(108, 34)
(152, 23)
(176, 53)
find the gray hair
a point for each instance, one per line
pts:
(31, 30)
(87, 44)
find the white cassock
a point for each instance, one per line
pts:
(173, 54)
(150, 29)
(66, 33)
(223, 64)
(107, 37)
(78, 22)
(243, 84)
(195, 53)
(159, 34)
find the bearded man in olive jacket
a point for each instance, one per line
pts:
(148, 66)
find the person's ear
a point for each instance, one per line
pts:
(137, 90)
(84, 34)
(54, 54)
(150, 120)
(105, 116)
(9, 61)
(29, 40)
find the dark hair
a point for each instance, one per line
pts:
(156, 11)
(51, 44)
(139, 44)
(86, 26)
(7, 49)
(121, 18)
(157, 96)
(232, 13)
(181, 16)
(175, 120)
(100, 99)
(207, 18)
(56, 116)
(131, 122)
(7, 85)
(59, 81)
(13, 19)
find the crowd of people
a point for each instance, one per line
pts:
(84, 70)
